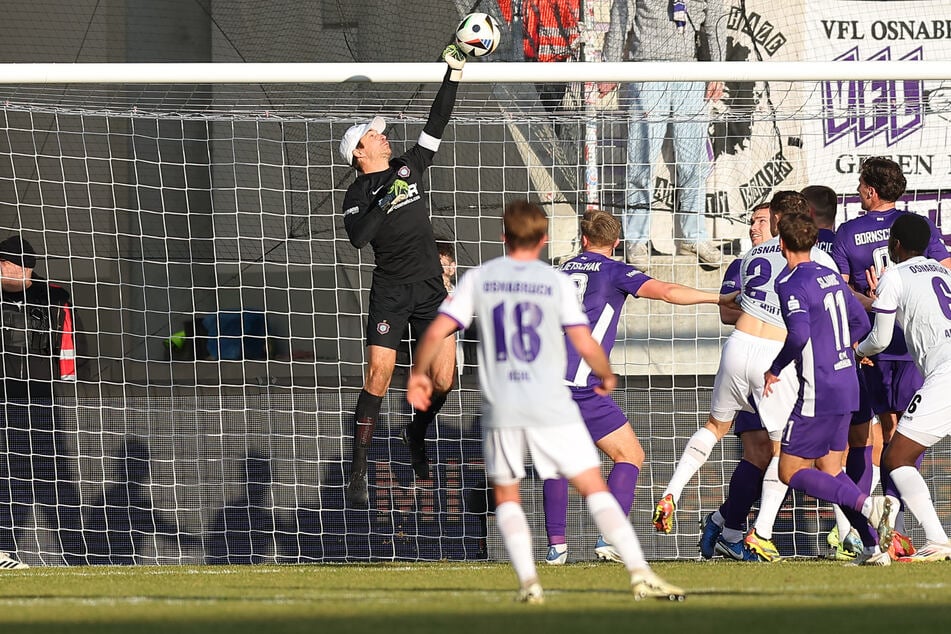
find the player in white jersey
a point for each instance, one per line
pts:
(916, 294)
(747, 353)
(524, 309)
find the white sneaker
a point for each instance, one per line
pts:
(931, 551)
(606, 552)
(644, 583)
(531, 593)
(557, 554)
(882, 516)
(705, 251)
(8, 563)
(639, 255)
(877, 558)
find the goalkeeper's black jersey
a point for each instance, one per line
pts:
(402, 240)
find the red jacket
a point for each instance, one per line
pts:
(551, 27)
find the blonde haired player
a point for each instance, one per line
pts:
(524, 309)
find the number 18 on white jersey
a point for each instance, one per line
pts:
(521, 308)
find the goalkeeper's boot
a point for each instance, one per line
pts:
(931, 551)
(644, 583)
(663, 519)
(531, 593)
(709, 534)
(606, 552)
(557, 554)
(761, 546)
(417, 454)
(736, 551)
(9, 563)
(358, 494)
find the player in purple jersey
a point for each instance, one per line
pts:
(865, 435)
(525, 310)
(823, 321)
(747, 479)
(823, 201)
(738, 386)
(603, 286)
(860, 251)
(916, 293)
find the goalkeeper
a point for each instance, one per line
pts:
(386, 207)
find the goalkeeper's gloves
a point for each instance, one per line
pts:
(397, 193)
(456, 59)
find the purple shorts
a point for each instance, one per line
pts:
(892, 383)
(600, 413)
(864, 413)
(747, 421)
(814, 437)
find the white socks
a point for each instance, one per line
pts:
(842, 523)
(513, 526)
(616, 528)
(771, 499)
(914, 491)
(695, 454)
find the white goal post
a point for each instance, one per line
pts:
(171, 197)
(475, 72)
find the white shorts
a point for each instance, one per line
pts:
(556, 450)
(927, 419)
(743, 362)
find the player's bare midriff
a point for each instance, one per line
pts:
(759, 328)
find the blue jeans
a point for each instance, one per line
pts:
(654, 106)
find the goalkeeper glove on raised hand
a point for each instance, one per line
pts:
(397, 193)
(456, 59)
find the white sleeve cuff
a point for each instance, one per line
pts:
(429, 142)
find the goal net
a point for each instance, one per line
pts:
(220, 307)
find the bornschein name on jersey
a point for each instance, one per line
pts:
(529, 288)
(871, 237)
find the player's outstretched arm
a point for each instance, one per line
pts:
(441, 110)
(681, 295)
(593, 354)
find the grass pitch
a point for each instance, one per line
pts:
(459, 598)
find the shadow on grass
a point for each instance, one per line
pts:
(701, 615)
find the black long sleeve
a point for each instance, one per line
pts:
(442, 107)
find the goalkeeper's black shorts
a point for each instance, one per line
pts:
(393, 306)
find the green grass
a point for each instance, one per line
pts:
(458, 598)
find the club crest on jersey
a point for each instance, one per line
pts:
(382, 327)
(403, 171)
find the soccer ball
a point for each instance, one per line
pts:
(478, 34)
